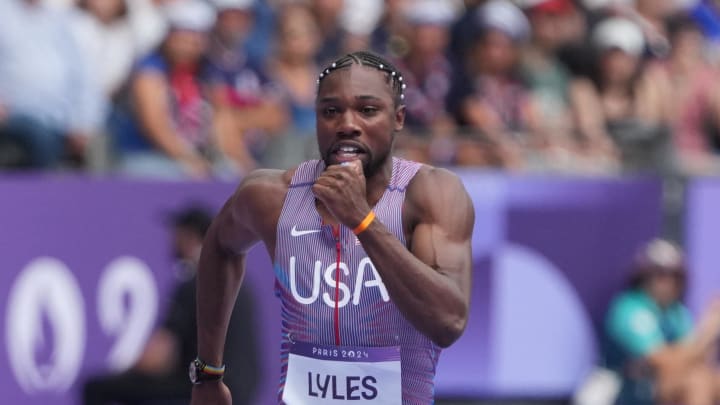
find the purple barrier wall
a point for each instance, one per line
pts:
(549, 254)
(86, 273)
(702, 229)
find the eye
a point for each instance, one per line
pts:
(369, 110)
(329, 111)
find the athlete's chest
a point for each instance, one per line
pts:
(324, 264)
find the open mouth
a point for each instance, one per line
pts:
(347, 152)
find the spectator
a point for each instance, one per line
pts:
(425, 65)
(328, 13)
(626, 101)
(652, 343)
(359, 19)
(258, 44)
(172, 131)
(549, 80)
(241, 85)
(104, 31)
(159, 376)
(706, 13)
(49, 104)
(651, 16)
(149, 25)
(390, 37)
(108, 44)
(695, 101)
(294, 72)
(463, 30)
(487, 94)
(426, 72)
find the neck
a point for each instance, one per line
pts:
(376, 184)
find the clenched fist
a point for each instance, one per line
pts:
(211, 393)
(341, 189)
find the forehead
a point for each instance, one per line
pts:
(355, 81)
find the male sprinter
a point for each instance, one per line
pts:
(371, 253)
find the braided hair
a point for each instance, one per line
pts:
(364, 58)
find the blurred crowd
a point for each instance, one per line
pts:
(214, 88)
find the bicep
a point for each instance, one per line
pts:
(442, 239)
(250, 213)
(232, 229)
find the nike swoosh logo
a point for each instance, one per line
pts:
(295, 232)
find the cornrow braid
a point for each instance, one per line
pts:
(364, 58)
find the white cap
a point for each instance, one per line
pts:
(434, 12)
(619, 33)
(661, 254)
(504, 16)
(194, 15)
(222, 5)
(360, 17)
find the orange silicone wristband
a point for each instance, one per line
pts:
(365, 223)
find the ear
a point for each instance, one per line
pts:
(399, 118)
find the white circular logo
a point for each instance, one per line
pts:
(45, 291)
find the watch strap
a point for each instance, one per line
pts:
(207, 372)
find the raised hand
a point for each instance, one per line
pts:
(341, 189)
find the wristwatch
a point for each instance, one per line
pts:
(200, 371)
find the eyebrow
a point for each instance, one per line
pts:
(364, 97)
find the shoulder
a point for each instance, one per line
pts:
(264, 185)
(437, 194)
(153, 62)
(429, 176)
(630, 311)
(254, 208)
(627, 301)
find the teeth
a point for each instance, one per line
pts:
(348, 149)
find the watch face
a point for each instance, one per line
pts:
(193, 372)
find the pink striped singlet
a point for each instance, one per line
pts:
(306, 261)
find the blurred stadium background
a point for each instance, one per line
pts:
(581, 128)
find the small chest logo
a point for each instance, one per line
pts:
(294, 232)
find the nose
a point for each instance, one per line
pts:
(348, 126)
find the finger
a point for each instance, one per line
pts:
(322, 189)
(334, 174)
(335, 171)
(356, 165)
(328, 181)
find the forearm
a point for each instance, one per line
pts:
(218, 281)
(678, 359)
(429, 299)
(699, 348)
(167, 141)
(230, 140)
